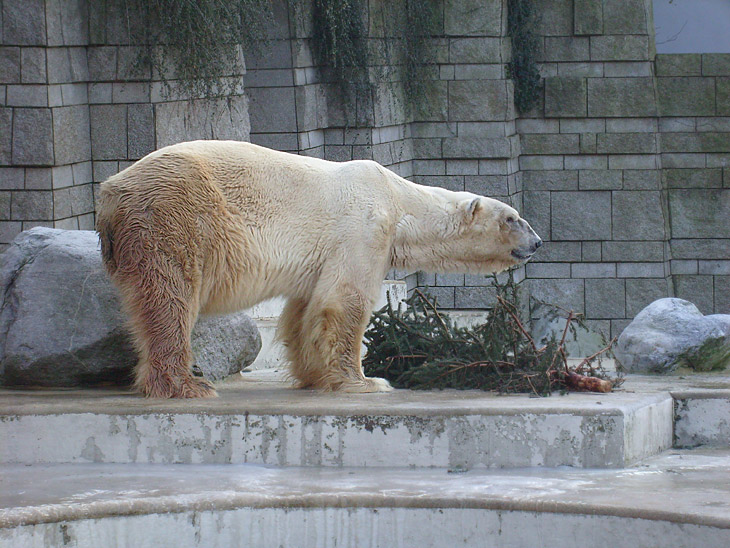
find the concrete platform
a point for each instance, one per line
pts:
(678, 499)
(260, 419)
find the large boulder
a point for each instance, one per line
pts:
(672, 333)
(61, 322)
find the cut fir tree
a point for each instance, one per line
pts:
(419, 347)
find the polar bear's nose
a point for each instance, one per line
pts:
(538, 244)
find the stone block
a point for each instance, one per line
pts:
(708, 141)
(555, 17)
(478, 72)
(38, 178)
(103, 170)
(475, 50)
(710, 248)
(591, 251)
(23, 22)
(537, 211)
(568, 293)
(130, 92)
(722, 295)
(444, 296)
(9, 65)
(605, 298)
(71, 139)
(565, 97)
(593, 270)
(587, 17)
(108, 131)
(67, 22)
(429, 167)
(67, 65)
(549, 144)
(272, 110)
(585, 161)
(280, 141)
(716, 268)
(550, 180)
(32, 205)
(716, 64)
(449, 182)
(633, 161)
(580, 70)
(683, 266)
(632, 125)
(548, 270)
(473, 17)
(540, 163)
(32, 137)
(129, 65)
(6, 143)
(566, 48)
(619, 48)
(588, 143)
(9, 230)
(480, 100)
(74, 94)
(588, 125)
(686, 96)
(476, 147)
(600, 179)
(27, 96)
(700, 213)
(621, 97)
(554, 251)
(581, 215)
(696, 289)
(637, 215)
(625, 17)
(692, 178)
(718, 160)
(434, 105)
(642, 180)
(141, 130)
(462, 167)
(679, 64)
(641, 270)
(12, 178)
(475, 297)
(685, 160)
(450, 280)
(102, 63)
(487, 185)
(33, 65)
(82, 173)
(5, 204)
(626, 143)
(627, 69)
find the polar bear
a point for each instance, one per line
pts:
(218, 226)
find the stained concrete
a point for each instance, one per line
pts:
(680, 498)
(264, 421)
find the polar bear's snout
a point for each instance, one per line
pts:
(526, 240)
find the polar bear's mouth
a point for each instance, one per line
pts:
(521, 255)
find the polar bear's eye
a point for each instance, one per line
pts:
(510, 219)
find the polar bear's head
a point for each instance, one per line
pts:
(492, 232)
(462, 232)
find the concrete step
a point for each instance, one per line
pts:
(678, 499)
(259, 419)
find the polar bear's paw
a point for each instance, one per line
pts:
(368, 385)
(188, 387)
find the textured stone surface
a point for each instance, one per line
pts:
(32, 136)
(670, 333)
(62, 324)
(581, 215)
(23, 22)
(623, 97)
(480, 100)
(700, 213)
(71, 138)
(688, 96)
(565, 97)
(637, 215)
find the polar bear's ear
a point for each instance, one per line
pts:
(471, 207)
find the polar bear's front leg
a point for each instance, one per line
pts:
(331, 335)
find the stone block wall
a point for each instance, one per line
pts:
(75, 109)
(694, 101)
(623, 167)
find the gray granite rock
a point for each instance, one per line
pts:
(61, 322)
(670, 333)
